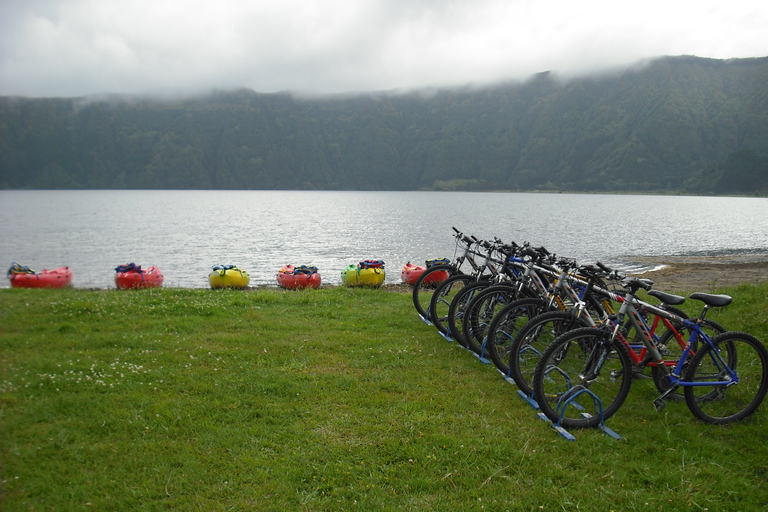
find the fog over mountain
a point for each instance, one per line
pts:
(64, 48)
(675, 125)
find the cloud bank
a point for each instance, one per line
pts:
(82, 47)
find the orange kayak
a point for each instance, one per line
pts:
(294, 278)
(24, 277)
(133, 276)
(411, 273)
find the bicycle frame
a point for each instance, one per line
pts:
(649, 355)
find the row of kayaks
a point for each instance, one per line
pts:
(367, 273)
(126, 277)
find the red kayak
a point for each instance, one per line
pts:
(132, 276)
(25, 277)
(294, 278)
(411, 273)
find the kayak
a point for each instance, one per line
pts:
(132, 276)
(294, 278)
(366, 273)
(25, 277)
(228, 276)
(411, 273)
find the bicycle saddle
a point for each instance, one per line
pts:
(711, 299)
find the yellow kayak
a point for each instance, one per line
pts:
(363, 275)
(228, 276)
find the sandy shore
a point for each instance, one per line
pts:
(706, 273)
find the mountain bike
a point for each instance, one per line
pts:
(447, 290)
(534, 283)
(534, 337)
(425, 286)
(724, 378)
(521, 330)
(510, 272)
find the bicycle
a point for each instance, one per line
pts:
(527, 345)
(509, 272)
(447, 290)
(724, 379)
(533, 283)
(425, 285)
(521, 330)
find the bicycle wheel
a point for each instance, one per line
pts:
(505, 327)
(425, 285)
(532, 340)
(458, 307)
(581, 375)
(672, 349)
(729, 398)
(441, 300)
(480, 311)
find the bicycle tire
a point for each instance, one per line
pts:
(422, 293)
(441, 300)
(504, 328)
(482, 308)
(458, 307)
(575, 357)
(724, 404)
(672, 351)
(532, 340)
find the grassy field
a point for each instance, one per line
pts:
(332, 399)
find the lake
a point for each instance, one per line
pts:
(185, 233)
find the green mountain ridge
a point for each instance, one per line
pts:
(676, 124)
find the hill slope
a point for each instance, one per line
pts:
(677, 124)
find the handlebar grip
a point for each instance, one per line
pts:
(606, 269)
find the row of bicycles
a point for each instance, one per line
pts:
(573, 337)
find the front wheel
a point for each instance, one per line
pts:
(582, 376)
(737, 368)
(426, 284)
(532, 340)
(458, 306)
(505, 326)
(441, 300)
(480, 311)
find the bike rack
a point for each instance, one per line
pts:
(529, 399)
(481, 356)
(569, 398)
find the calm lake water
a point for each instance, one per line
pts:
(185, 233)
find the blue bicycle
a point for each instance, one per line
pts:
(585, 375)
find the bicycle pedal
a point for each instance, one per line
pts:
(659, 405)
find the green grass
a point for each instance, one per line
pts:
(332, 399)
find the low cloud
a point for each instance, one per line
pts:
(82, 47)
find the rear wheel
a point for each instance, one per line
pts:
(580, 375)
(730, 398)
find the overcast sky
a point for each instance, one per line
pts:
(81, 47)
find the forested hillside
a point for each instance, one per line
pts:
(677, 124)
